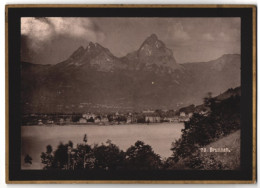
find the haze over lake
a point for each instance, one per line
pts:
(36, 138)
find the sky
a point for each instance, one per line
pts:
(50, 40)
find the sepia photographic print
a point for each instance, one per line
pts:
(138, 94)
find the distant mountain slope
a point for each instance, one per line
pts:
(93, 79)
(230, 92)
(217, 75)
(223, 96)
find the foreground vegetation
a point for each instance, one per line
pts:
(222, 119)
(106, 156)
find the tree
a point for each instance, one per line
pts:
(91, 119)
(209, 101)
(170, 113)
(110, 117)
(61, 159)
(76, 118)
(140, 118)
(108, 156)
(49, 149)
(70, 144)
(121, 118)
(142, 157)
(28, 159)
(84, 157)
(85, 139)
(47, 157)
(159, 112)
(99, 117)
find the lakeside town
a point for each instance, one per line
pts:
(146, 117)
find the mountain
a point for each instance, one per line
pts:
(93, 79)
(94, 57)
(152, 55)
(216, 76)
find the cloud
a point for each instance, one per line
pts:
(177, 33)
(225, 37)
(208, 37)
(36, 31)
(221, 36)
(76, 27)
(40, 31)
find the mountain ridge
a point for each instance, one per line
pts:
(93, 79)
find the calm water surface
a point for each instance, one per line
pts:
(36, 138)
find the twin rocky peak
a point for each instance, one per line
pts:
(152, 55)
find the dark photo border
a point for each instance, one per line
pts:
(247, 173)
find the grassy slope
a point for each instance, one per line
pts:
(231, 160)
(228, 160)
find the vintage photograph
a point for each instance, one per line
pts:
(130, 93)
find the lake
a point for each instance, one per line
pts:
(36, 138)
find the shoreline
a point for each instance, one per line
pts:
(103, 124)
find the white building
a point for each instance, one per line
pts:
(190, 115)
(89, 115)
(182, 114)
(82, 120)
(152, 119)
(40, 122)
(148, 111)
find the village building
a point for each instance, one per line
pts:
(182, 114)
(50, 121)
(89, 115)
(61, 121)
(82, 120)
(184, 119)
(129, 119)
(175, 119)
(133, 119)
(148, 111)
(68, 120)
(97, 120)
(170, 119)
(152, 119)
(203, 112)
(40, 122)
(104, 119)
